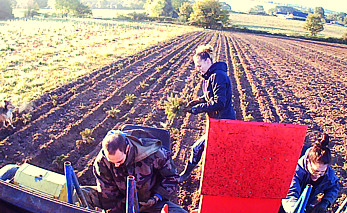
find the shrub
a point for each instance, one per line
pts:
(137, 16)
(344, 38)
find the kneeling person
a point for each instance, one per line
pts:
(313, 168)
(142, 157)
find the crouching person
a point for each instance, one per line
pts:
(142, 157)
(313, 168)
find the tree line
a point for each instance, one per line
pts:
(65, 7)
(203, 13)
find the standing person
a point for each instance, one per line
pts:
(313, 168)
(138, 154)
(216, 100)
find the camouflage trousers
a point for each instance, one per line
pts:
(92, 197)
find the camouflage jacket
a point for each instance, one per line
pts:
(147, 161)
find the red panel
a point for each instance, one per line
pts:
(213, 204)
(165, 209)
(251, 159)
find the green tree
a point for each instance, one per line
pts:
(73, 7)
(42, 3)
(156, 8)
(65, 6)
(225, 6)
(320, 11)
(209, 14)
(82, 11)
(32, 9)
(6, 9)
(341, 16)
(176, 4)
(314, 24)
(344, 37)
(282, 9)
(257, 10)
(134, 4)
(186, 10)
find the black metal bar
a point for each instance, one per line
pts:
(35, 201)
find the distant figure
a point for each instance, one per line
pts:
(313, 168)
(216, 100)
(138, 154)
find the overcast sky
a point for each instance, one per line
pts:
(335, 5)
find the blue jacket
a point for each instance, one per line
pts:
(217, 98)
(329, 186)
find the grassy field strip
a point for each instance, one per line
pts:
(80, 84)
(37, 56)
(274, 24)
(97, 80)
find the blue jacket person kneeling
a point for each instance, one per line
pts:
(313, 168)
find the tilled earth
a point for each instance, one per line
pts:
(274, 80)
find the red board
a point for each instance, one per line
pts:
(251, 159)
(238, 205)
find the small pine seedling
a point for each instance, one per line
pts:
(174, 106)
(113, 112)
(87, 136)
(129, 99)
(249, 117)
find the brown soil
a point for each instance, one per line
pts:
(274, 80)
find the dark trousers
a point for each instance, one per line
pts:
(197, 150)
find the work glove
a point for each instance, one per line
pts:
(150, 202)
(192, 110)
(321, 207)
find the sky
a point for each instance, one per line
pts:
(244, 5)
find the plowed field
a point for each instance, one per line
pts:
(274, 80)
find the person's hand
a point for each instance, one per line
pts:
(320, 207)
(192, 110)
(150, 202)
(187, 109)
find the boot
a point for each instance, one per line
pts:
(187, 171)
